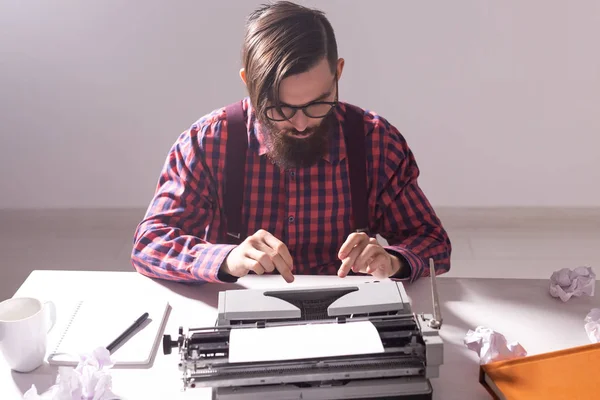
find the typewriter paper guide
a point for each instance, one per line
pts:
(303, 341)
(343, 300)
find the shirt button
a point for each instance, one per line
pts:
(292, 173)
(291, 218)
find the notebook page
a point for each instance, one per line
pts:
(96, 323)
(303, 341)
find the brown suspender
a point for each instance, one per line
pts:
(235, 163)
(354, 133)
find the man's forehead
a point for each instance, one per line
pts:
(307, 86)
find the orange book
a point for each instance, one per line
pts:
(570, 374)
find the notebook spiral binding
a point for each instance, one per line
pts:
(66, 330)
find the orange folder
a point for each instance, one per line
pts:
(570, 374)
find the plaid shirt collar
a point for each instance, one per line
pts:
(337, 147)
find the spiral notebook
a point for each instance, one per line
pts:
(85, 325)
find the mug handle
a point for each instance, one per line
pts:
(50, 310)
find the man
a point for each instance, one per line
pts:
(297, 213)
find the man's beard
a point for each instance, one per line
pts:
(289, 152)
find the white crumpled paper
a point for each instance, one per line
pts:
(566, 283)
(89, 380)
(492, 346)
(592, 325)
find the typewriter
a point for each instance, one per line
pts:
(412, 348)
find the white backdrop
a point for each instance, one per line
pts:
(500, 101)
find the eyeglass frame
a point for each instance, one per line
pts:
(295, 109)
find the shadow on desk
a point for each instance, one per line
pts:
(204, 292)
(43, 378)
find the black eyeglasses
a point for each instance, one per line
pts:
(315, 109)
(318, 109)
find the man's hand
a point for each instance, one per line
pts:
(363, 254)
(261, 252)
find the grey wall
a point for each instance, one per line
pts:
(499, 100)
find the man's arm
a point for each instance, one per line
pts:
(405, 218)
(168, 243)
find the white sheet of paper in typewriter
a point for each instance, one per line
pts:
(303, 341)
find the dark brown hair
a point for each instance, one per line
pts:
(283, 39)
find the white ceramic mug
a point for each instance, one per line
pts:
(24, 326)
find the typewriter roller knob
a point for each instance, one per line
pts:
(168, 344)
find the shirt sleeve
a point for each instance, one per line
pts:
(168, 242)
(404, 216)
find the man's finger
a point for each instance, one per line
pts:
(264, 258)
(349, 262)
(370, 252)
(280, 248)
(283, 269)
(353, 240)
(379, 266)
(280, 256)
(253, 265)
(345, 267)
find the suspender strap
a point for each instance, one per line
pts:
(235, 165)
(354, 132)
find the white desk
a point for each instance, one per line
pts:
(520, 309)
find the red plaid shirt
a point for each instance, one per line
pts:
(307, 209)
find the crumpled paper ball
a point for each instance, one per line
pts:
(592, 326)
(566, 283)
(89, 380)
(492, 346)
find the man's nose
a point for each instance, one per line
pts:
(300, 121)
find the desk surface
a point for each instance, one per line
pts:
(520, 309)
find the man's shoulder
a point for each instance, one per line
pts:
(209, 123)
(208, 129)
(377, 127)
(386, 147)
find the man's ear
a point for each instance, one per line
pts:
(340, 68)
(243, 75)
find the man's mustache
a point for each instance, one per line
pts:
(294, 132)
